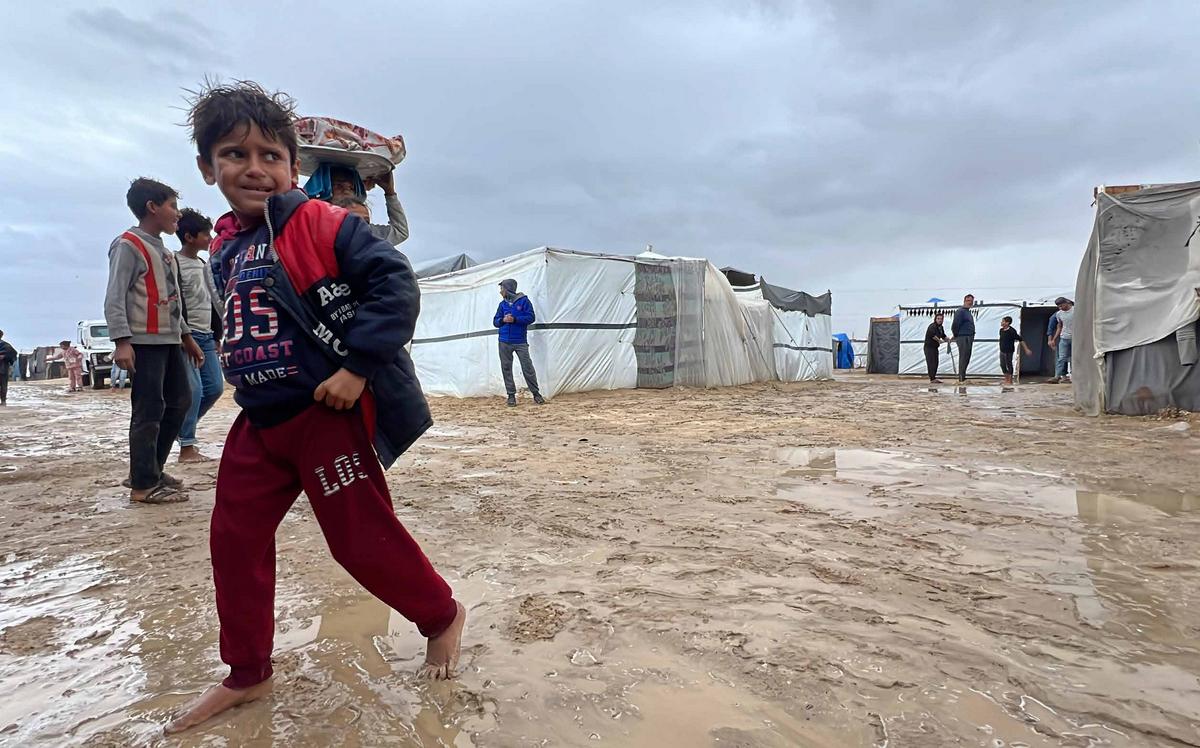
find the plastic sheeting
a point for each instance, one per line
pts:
(862, 352)
(1148, 378)
(588, 318)
(1137, 286)
(443, 265)
(803, 346)
(802, 341)
(845, 351)
(797, 301)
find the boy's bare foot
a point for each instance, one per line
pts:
(441, 656)
(214, 701)
(192, 454)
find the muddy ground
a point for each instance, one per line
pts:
(861, 562)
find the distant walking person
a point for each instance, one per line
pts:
(962, 331)
(513, 317)
(935, 336)
(8, 357)
(1061, 341)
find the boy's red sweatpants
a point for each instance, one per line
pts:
(328, 455)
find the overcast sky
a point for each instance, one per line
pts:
(915, 149)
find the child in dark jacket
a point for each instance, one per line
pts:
(318, 311)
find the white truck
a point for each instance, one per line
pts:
(97, 350)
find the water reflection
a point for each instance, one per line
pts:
(1101, 506)
(1132, 589)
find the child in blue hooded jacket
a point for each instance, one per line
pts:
(513, 317)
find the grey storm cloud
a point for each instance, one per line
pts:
(889, 151)
(171, 35)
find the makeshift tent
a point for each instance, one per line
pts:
(39, 366)
(861, 352)
(883, 346)
(1031, 315)
(1137, 302)
(739, 278)
(802, 325)
(442, 265)
(844, 356)
(603, 322)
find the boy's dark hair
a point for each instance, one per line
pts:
(1007, 319)
(65, 343)
(145, 190)
(193, 222)
(349, 201)
(220, 107)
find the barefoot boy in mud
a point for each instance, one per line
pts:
(317, 313)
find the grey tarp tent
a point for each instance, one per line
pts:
(442, 265)
(1137, 302)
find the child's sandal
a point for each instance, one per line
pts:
(162, 494)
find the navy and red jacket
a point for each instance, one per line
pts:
(356, 299)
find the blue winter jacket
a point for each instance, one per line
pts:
(521, 308)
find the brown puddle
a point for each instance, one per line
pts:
(637, 587)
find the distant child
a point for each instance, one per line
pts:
(204, 320)
(73, 358)
(318, 311)
(1008, 346)
(145, 316)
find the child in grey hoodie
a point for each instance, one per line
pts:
(146, 319)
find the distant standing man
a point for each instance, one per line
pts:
(513, 317)
(1061, 341)
(962, 332)
(8, 357)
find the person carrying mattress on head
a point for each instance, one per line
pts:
(345, 162)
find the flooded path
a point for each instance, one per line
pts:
(858, 563)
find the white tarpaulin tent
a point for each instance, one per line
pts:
(802, 330)
(1137, 303)
(603, 322)
(1029, 319)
